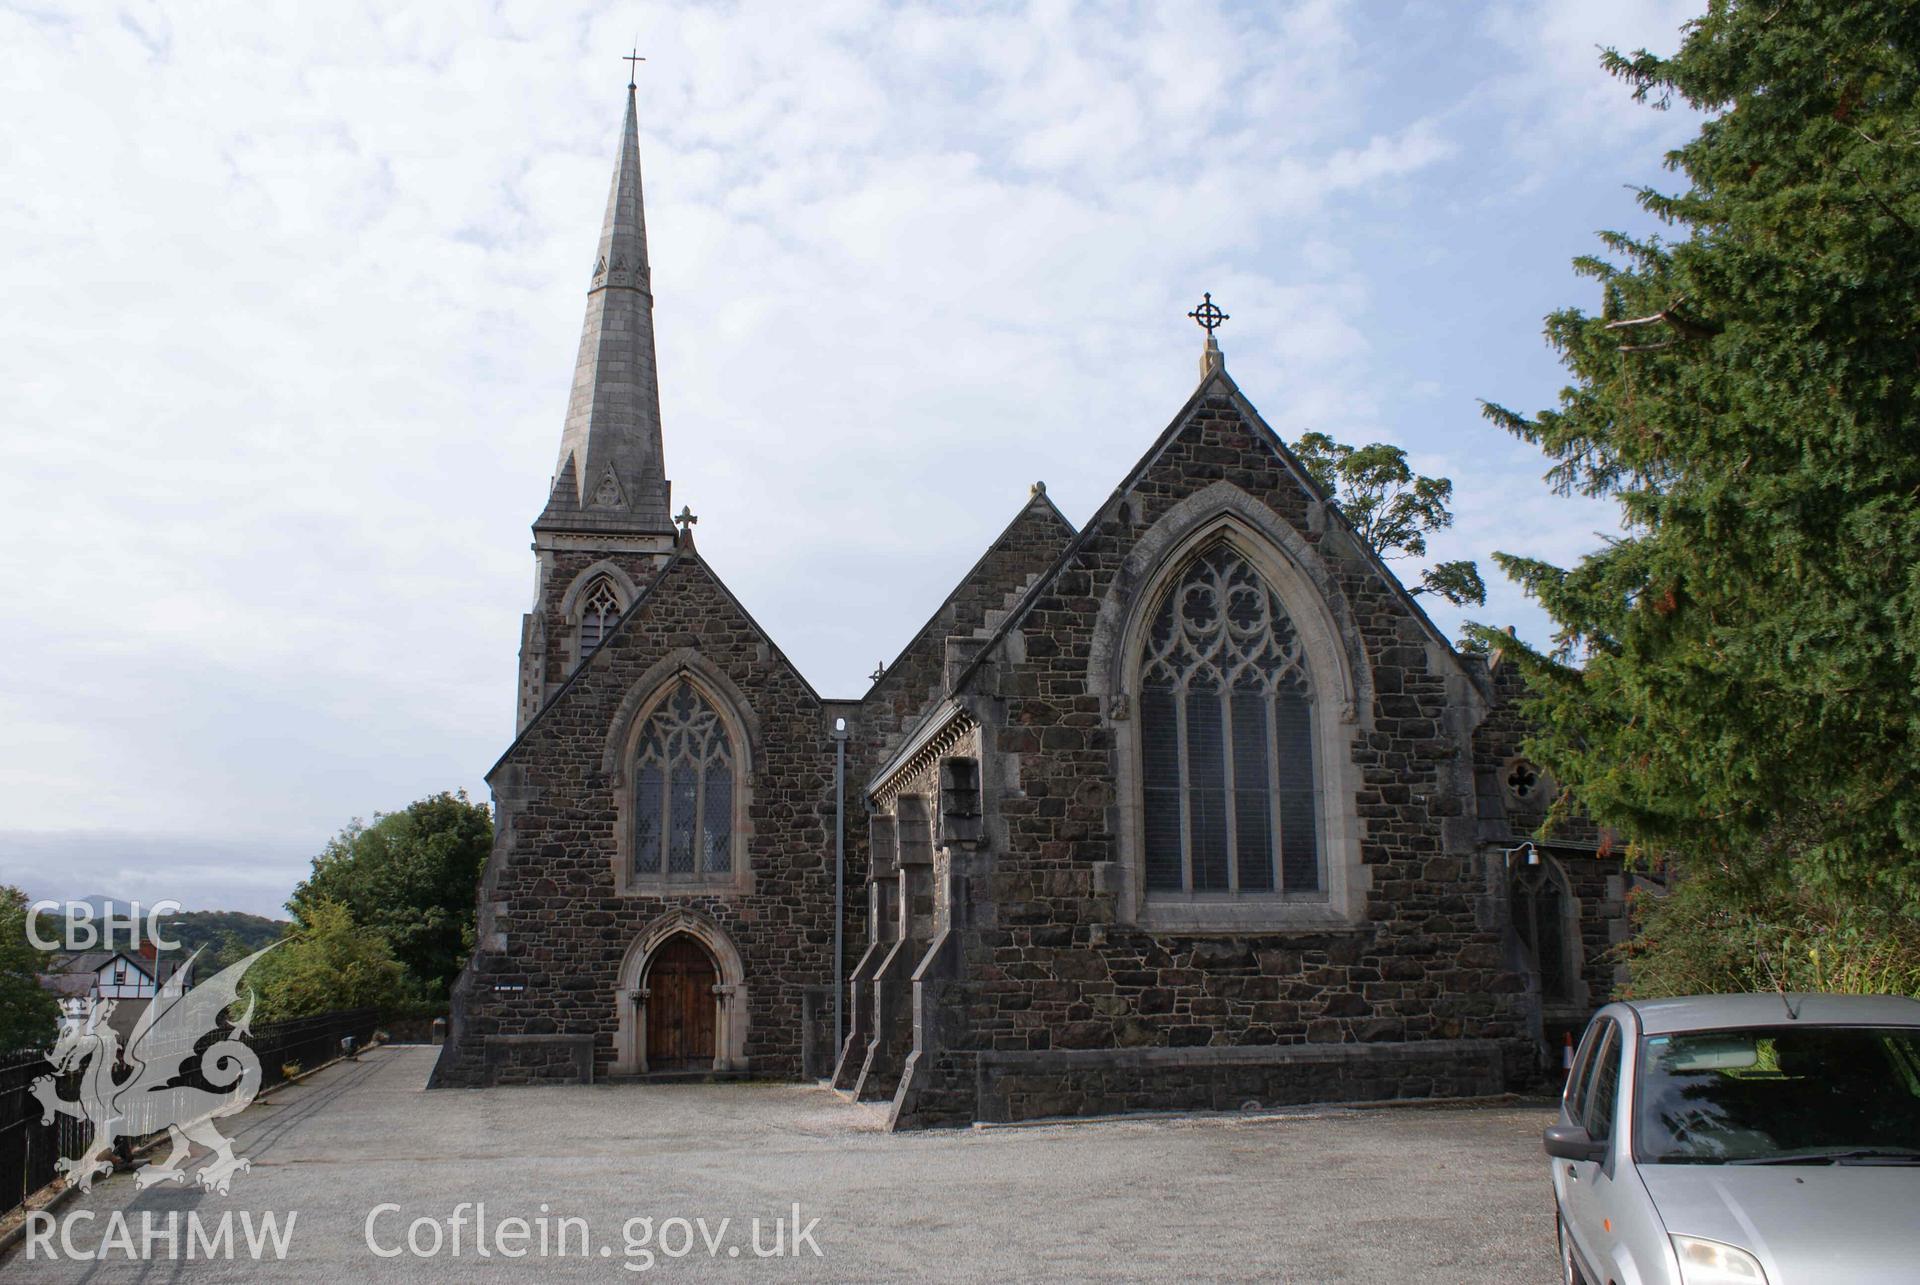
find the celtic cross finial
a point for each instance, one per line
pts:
(1208, 315)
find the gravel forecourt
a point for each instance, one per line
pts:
(1407, 1194)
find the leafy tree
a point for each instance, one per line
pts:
(29, 1016)
(230, 949)
(213, 929)
(328, 963)
(1734, 682)
(1393, 508)
(411, 877)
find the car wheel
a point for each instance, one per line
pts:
(1570, 1273)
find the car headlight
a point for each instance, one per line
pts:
(1708, 1262)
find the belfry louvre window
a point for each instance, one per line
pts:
(1226, 729)
(598, 612)
(683, 782)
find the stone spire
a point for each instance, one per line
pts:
(611, 474)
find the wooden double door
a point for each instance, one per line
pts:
(681, 1007)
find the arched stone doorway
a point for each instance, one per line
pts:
(682, 999)
(680, 1006)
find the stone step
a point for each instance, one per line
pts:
(679, 1077)
(994, 617)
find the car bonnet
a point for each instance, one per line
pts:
(1853, 1223)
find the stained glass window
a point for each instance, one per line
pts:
(683, 781)
(1226, 724)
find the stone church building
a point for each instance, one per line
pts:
(1187, 806)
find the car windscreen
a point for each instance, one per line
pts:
(1779, 1095)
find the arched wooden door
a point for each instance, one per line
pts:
(681, 1007)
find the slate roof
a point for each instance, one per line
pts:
(67, 985)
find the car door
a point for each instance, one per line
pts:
(1587, 1186)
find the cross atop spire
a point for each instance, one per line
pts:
(1208, 315)
(1209, 318)
(611, 474)
(633, 61)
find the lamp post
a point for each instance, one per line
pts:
(839, 883)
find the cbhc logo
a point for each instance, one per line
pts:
(91, 928)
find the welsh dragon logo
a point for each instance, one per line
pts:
(164, 1081)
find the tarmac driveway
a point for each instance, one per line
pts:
(380, 1178)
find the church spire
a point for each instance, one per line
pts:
(611, 474)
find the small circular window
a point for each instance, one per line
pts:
(1526, 783)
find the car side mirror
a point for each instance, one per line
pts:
(1571, 1142)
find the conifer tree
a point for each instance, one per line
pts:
(1737, 677)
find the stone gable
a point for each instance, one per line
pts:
(916, 679)
(1049, 956)
(554, 930)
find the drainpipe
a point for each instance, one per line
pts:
(839, 884)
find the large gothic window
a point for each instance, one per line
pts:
(599, 609)
(683, 783)
(1226, 728)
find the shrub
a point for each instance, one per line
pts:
(328, 963)
(1716, 934)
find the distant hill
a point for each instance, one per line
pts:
(105, 907)
(209, 928)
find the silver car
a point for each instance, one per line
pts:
(1742, 1140)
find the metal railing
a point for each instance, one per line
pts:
(29, 1147)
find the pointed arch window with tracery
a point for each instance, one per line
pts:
(1230, 795)
(1540, 902)
(599, 610)
(684, 777)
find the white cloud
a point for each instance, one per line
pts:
(1561, 107)
(292, 292)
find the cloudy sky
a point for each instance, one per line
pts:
(291, 292)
